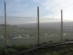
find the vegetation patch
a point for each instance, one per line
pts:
(13, 49)
(62, 50)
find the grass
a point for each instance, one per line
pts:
(54, 50)
(32, 32)
(13, 49)
(63, 50)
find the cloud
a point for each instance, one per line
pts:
(20, 20)
(18, 1)
(56, 5)
(49, 9)
(20, 8)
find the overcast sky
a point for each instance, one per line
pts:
(28, 8)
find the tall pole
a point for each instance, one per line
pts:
(61, 25)
(6, 39)
(38, 24)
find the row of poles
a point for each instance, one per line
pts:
(39, 25)
(6, 37)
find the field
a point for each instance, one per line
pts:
(30, 35)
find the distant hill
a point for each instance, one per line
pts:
(45, 25)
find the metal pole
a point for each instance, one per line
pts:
(6, 38)
(38, 24)
(61, 25)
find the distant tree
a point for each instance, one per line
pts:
(3, 24)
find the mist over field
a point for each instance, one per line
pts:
(25, 30)
(46, 24)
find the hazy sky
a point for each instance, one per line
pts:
(28, 8)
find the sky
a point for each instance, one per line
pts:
(49, 9)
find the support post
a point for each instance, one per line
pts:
(38, 24)
(61, 25)
(6, 38)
